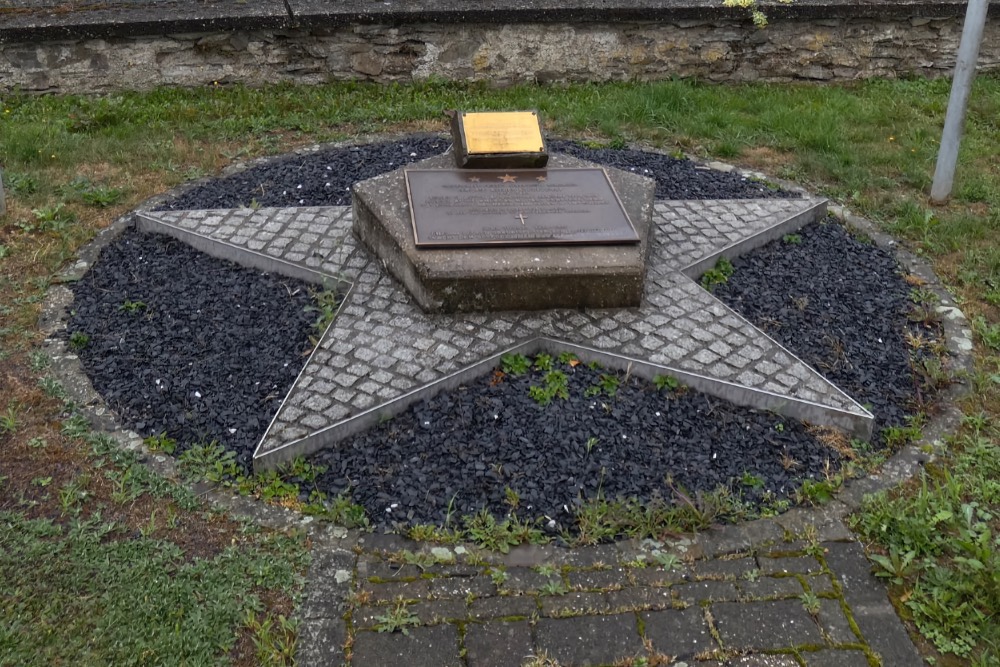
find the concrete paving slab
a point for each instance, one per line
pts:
(764, 625)
(589, 640)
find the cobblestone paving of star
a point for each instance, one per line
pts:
(382, 345)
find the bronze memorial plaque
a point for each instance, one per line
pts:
(454, 207)
(502, 132)
(498, 139)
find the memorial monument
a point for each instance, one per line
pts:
(499, 224)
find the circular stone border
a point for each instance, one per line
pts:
(826, 520)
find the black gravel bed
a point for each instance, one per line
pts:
(841, 305)
(325, 178)
(461, 450)
(181, 342)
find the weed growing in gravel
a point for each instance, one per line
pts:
(567, 358)
(543, 362)
(515, 364)
(792, 239)
(131, 306)
(78, 340)
(283, 486)
(751, 480)
(606, 383)
(160, 443)
(667, 382)
(718, 274)
(556, 385)
(818, 491)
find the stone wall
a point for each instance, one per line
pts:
(803, 48)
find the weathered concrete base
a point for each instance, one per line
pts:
(450, 280)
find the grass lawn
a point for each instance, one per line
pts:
(101, 562)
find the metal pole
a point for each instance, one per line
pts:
(961, 85)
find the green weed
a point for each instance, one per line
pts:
(543, 362)
(988, 333)
(20, 184)
(941, 546)
(9, 420)
(817, 492)
(53, 218)
(211, 461)
(274, 639)
(515, 364)
(398, 618)
(325, 305)
(555, 385)
(160, 443)
(567, 358)
(483, 529)
(810, 602)
(717, 275)
(667, 382)
(78, 340)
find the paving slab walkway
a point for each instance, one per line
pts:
(780, 600)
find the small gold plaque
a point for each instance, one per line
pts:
(502, 132)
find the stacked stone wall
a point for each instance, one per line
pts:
(811, 49)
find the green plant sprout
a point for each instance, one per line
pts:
(717, 275)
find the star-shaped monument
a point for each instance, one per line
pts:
(382, 353)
